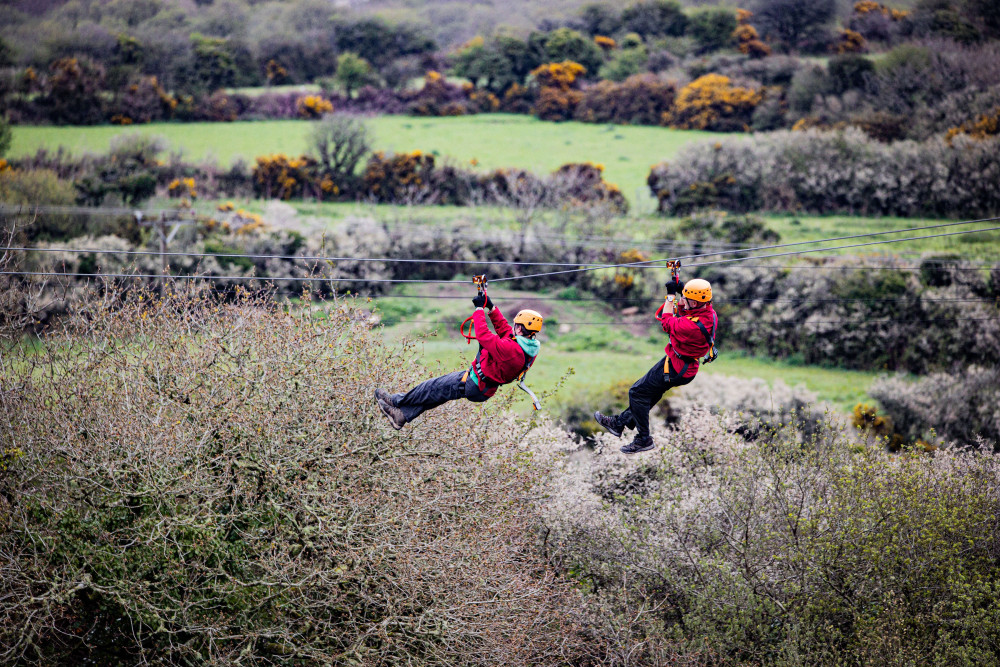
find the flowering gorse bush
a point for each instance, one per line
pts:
(712, 102)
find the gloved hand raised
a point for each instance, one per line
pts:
(674, 286)
(480, 300)
(489, 303)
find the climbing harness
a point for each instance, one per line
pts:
(476, 369)
(672, 302)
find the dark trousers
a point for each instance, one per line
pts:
(429, 394)
(647, 392)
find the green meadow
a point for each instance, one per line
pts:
(485, 141)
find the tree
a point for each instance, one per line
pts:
(849, 71)
(338, 142)
(566, 44)
(624, 64)
(353, 71)
(986, 13)
(72, 94)
(7, 54)
(796, 24)
(599, 19)
(655, 18)
(214, 65)
(712, 28)
(482, 62)
(378, 42)
(5, 135)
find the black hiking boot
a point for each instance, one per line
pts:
(610, 424)
(392, 413)
(638, 444)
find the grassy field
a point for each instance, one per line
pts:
(492, 140)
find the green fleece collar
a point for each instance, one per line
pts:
(529, 345)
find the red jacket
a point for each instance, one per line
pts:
(501, 356)
(685, 336)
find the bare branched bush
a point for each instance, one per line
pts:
(189, 480)
(338, 143)
(719, 550)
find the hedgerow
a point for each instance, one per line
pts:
(834, 172)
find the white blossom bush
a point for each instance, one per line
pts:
(829, 172)
(959, 406)
(717, 550)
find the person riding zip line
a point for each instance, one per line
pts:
(692, 330)
(503, 357)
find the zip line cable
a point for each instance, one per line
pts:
(787, 245)
(582, 266)
(317, 258)
(842, 247)
(427, 281)
(182, 276)
(516, 297)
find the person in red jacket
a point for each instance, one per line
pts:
(692, 335)
(503, 356)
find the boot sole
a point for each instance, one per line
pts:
(625, 450)
(385, 410)
(617, 434)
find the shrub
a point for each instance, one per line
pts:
(834, 171)
(299, 528)
(338, 143)
(6, 135)
(558, 95)
(403, 177)
(72, 92)
(958, 407)
(780, 550)
(286, 178)
(848, 71)
(712, 28)
(353, 72)
(850, 41)
(623, 64)
(42, 187)
(564, 44)
(584, 184)
(875, 21)
(747, 38)
(143, 101)
(986, 125)
(313, 106)
(639, 100)
(711, 102)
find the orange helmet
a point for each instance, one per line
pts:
(698, 290)
(531, 320)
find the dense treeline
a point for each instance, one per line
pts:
(126, 62)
